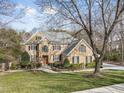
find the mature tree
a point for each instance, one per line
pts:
(10, 48)
(90, 15)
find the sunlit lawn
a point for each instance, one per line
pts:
(40, 82)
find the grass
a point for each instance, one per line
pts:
(40, 82)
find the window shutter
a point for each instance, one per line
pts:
(53, 47)
(90, 58)
(77, 59)
(53, 57)
(28, 47)
(73, 59)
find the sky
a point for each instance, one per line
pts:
(31, 18)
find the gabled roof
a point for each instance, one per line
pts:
(70, 47)
(58, 37)
(74, 44)
(53, 37)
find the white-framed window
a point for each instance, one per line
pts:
(88, 59)
(75, 59)
(33, 47)
(82, 48)
(56, 47)
(56, 58)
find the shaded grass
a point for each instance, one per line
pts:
(41, 82)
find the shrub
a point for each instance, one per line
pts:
(76, 66)
(38, 64)
(24, 64)
(66, 63)
(14, 66)
(113, 56)
(91, 64)
(25, 57)
(57, 64)
(25, 60)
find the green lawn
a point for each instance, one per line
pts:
(40, 82)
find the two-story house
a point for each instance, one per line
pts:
(49, 47)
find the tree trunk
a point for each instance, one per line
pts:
(97, 66)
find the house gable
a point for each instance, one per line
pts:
(75, 45)
(33, 37)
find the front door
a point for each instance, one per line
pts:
(45, 59)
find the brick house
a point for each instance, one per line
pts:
(49, 47)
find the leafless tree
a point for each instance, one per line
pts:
(90, 15)
(117, 39)
(9, 13)
(120, 36)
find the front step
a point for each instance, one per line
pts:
(46, 66)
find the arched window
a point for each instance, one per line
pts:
(45, 48)
(82, 48)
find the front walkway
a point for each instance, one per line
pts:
(118, 88)
(45, 69)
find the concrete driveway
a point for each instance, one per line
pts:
(118, 88)
(112, 67)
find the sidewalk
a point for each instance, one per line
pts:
(118, 88)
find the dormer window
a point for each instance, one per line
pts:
(45, 48)
(38, 38)
(56, 47)
(82, 48)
